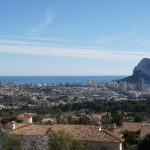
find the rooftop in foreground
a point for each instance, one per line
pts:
(81, 132)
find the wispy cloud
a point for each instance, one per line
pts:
(114, 37)
(145, 43)
(36, 38)
(105, 40)
(48, 18)
(40, 41)
(19, 47)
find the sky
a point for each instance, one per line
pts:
(73, 37)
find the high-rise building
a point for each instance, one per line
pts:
(140, 84)
(123, 86)
(91, 83)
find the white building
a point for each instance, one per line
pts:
(26, 117)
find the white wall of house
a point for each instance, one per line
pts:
(120, 146)
(14, 126)
(103, 145)
(27, 120)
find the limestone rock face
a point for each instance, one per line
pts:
(143, 67)
(142, 70)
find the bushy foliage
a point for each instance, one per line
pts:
(111, 106)
(138, 118)
(7, 116)
(105, 120)
(37, 119)
(132, 139)
(117, 118)
(145, 144)
(98, 106)
(9, 142)
(84, 120)
(62, 141)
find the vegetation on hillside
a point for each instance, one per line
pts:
(9, 142)
(62, 141)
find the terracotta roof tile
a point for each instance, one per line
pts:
(31, 129)
(144, 128)
(129, 126)
(81, 132)
(87, 133)
(25, 115)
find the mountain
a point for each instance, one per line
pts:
(142, 70)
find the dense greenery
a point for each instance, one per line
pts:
(62, 141)
(117, 118)
(145, 144)
(83, 119)
(134, 142)
(132, 139)
(136, 111)
(138, 118)
(9, 142)
(37, 119)
(94, 106)
(7, 116)
(103, 106)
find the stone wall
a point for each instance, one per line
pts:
(38, 142)
(34, 142)
(102, 146)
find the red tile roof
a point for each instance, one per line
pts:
(81, 132)
(25, 115)
(144, 128)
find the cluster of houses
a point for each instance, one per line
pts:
(34, 96)
(35, 136)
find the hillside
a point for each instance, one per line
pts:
(142, 70)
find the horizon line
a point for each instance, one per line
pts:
(54, 75)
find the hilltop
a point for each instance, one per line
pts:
(142, 70)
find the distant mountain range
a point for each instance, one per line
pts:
(142, 70)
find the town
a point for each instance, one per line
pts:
(74, 75)
(15, 96)
(32, 110)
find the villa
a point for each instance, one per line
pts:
(35, 136)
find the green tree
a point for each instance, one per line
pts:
(62, 141)
(10, 142)
(131, 137)
(138, 118)
(132, 140)
(105, 120)
(145, 144)
(73, 119)
(117, 118)
(37, 119)
(84, 120)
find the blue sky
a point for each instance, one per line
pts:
(73, 37)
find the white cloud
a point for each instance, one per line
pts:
(48, 17)
(114, 37)
(105, 40)
(31, 39)
(145, 43)
(23, 48)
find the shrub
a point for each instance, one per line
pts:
(62, 141)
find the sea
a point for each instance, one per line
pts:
(55, 80)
